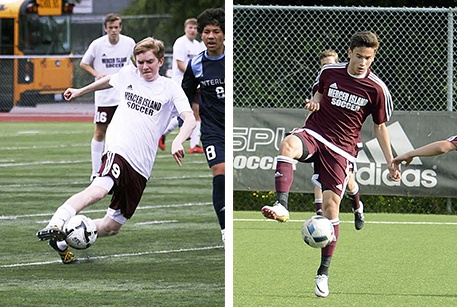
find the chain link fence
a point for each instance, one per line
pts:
(276, 52)
(276, 61)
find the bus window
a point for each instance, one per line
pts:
(7, 36)
(42, 35)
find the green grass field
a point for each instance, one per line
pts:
(168, 254)
(395, 260)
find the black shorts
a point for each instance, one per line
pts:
(128, 186)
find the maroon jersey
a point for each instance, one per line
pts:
(346, 103)
(453, 140)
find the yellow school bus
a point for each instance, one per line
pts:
(34, 34)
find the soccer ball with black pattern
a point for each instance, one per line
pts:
(317, 231)
(81, 232)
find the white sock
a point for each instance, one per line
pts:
(62, 245)
(62, 214)
(195, 136)
(96, 149)
(171, 126)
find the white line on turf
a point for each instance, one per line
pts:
(366, 222)
(182, 250)
(156, 222)
(41, 147)
(85, 182)
(13, 217)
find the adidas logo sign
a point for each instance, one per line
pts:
(376, 173)
(278, 174)
(334, 86)
(130, 87)
(399, 141)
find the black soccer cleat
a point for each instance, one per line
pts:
(51, 232)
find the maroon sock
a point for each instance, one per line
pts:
(330, 249)
(318, 207)
(284, 176)
(355, 200)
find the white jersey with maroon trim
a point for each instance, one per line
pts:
(346, 103)
(142, 116)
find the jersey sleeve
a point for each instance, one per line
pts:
(179, 98)
(179, 51)
(453, 140)
(115, 78)
(189, 83)
(383, 107)
(89, 55)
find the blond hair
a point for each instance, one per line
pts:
(150, 43)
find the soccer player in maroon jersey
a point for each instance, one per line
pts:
(347, 94)
(326, 57)
(432, 149)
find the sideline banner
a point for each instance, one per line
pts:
(257, 134)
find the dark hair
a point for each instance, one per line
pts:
(213, 17)
(364, 39)
(111, 17)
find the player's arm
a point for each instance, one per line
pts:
(189, 83)
(380, 131)
(101, 84)
(177, 150)
(91, 70)
(181, 65)
(313, 105)
(432, 149)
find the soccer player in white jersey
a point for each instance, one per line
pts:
(148, 102)
(432, 149)
(184, 49)
(346, 95)
(106, 55)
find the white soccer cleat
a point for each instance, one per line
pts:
(321, 286)
(276, 212)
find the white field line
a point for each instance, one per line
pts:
(182, 250)
(153, 179)
(366, 222)
(42, 147)
(156, 222)
(14, 217)
(32, 132)
(16, 164)
(11, 163)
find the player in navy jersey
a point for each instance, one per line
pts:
(326, 57)
(346, 95)
(432, 149)
(207, 69)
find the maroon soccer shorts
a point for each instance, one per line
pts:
(333, 169)
(128, 184)
(104, 115)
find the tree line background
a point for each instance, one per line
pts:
(166, 29)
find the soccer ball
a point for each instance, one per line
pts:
(81, 232)
(317, 231)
